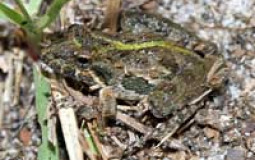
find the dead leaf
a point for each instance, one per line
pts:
(25, 136)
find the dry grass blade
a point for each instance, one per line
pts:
(97, 141)
(88, 145)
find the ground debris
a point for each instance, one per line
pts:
(222, 129)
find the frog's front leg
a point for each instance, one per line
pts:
(108, 100)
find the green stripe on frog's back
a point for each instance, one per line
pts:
(121, 46)
(139, 22)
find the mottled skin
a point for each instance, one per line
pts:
(161, 66)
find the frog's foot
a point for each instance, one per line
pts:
(108, 100)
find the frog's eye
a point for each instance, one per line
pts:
(83, 59)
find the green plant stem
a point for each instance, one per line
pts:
(24, 11)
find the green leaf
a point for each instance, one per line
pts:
(3, 16)
(23, 21)
(33, 7)
(12, 15)
(46, 151)
(51, 13)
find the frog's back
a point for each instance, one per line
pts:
(139, 22)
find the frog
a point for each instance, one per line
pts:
(165, 70)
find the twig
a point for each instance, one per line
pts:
(167, 136)
(118, 142)
(1, 104)
(200, 97)
(131, 122)
(127, 108)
